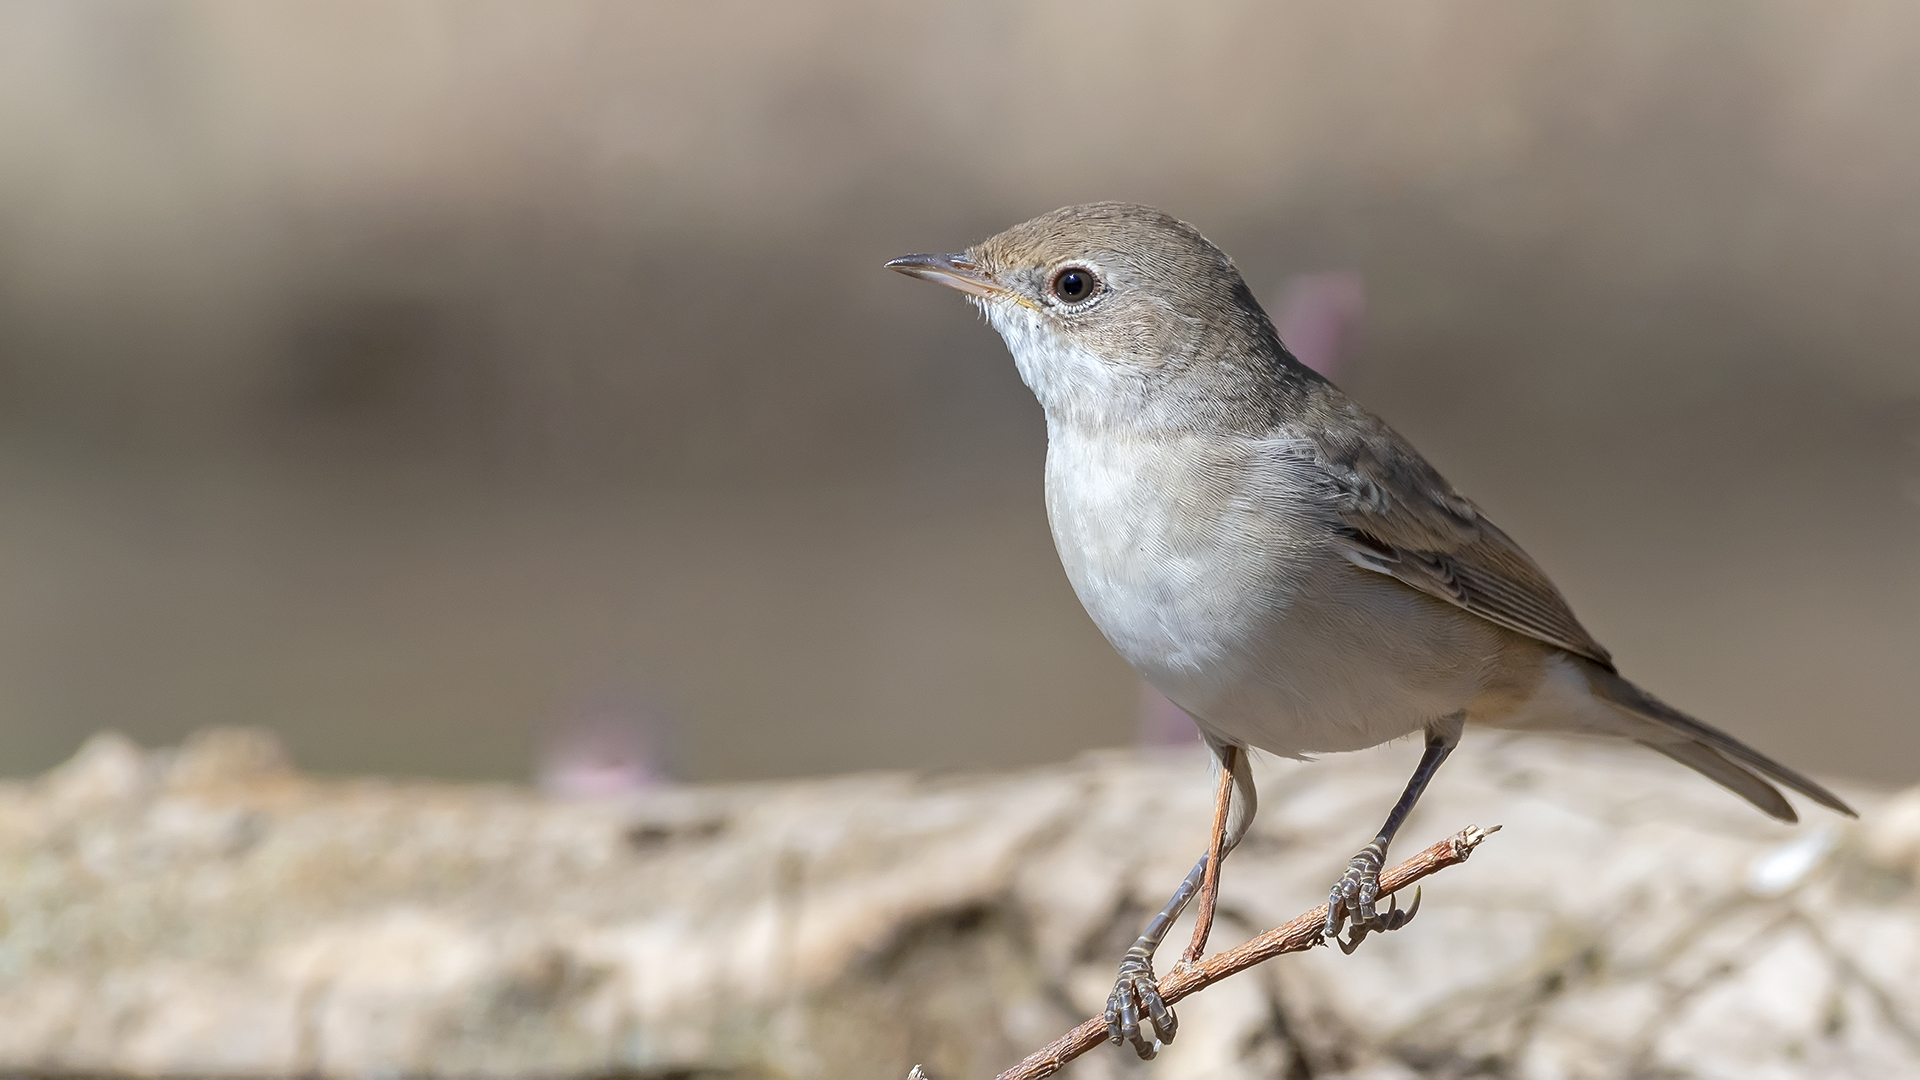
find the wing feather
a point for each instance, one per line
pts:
(1401, 518)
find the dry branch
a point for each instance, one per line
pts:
(1303, 933)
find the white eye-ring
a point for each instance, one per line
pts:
(1074, 285)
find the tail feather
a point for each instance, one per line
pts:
(1703, 760)
(1712, 752)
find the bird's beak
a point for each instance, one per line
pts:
(953, 271)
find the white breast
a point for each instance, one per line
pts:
(1208, 563)
(1177, 557)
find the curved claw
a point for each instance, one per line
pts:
(1397, 918)
(1394, 919)
(1353, 899)
(1137, 991)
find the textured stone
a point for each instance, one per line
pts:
(207, 911)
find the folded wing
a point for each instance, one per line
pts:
(1400, 518)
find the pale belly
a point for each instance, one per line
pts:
(1210, 573)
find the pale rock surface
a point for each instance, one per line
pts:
(209, 912)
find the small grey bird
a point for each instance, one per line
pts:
(1275, 559)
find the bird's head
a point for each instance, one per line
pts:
(1120, 315)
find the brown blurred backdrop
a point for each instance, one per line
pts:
(406, 375)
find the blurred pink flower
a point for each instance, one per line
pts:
(606, 747)
(1318, 317)
(1162, 723)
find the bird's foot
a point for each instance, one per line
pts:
(1354, 896)
(1137, 993)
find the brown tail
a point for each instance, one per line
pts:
(1713, 753)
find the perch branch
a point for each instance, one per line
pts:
(1297, 936)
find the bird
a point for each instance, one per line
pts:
(1276, 559)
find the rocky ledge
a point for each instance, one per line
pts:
(207, 911)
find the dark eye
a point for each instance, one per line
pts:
(1074, 284)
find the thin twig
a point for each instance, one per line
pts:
(1301, 934)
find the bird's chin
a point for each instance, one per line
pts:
(1054, 367)
(1020, 326)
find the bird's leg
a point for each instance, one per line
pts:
(1354, 894)
(1137, 990)
(1210, 883)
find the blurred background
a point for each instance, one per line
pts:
(455, 387)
